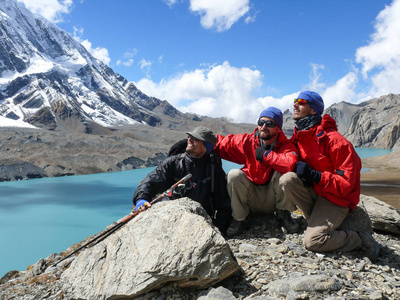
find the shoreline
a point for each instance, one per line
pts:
(382, 183)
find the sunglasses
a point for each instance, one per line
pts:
(193, 138)
(300, 101)
(268, 123)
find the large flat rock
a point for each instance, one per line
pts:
(173, 241)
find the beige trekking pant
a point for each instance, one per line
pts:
(248, 197)
(323, 217)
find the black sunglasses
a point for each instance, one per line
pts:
(195, 139)
(270, 124)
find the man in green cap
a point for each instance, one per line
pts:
(208, 186)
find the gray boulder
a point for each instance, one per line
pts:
(384, 217)
(173, 242)
(219, 293)
(358, 220)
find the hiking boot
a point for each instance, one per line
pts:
(284, 217)
(235, 228)
(369, 246)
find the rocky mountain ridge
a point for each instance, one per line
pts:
(50, 81)
(376, 123)
(35, 153)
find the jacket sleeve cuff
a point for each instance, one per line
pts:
(323, 180)
(265, 156)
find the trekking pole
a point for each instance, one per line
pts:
(106, 233)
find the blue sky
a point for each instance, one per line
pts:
(233, 58)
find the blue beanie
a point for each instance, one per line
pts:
(273, 113)
(315, 100)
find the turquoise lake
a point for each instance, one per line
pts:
(39, 217)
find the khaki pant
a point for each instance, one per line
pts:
(248, 197)
(323, 217)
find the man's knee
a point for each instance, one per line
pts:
(315, 242)
(288, 180)
(234, 174)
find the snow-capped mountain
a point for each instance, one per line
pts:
(49, 80)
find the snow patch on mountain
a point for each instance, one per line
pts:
(7, 122)
(49, 80)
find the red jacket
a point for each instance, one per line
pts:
(327, 151)
(240, 149)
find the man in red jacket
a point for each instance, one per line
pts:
(326, 182)
(265, 155)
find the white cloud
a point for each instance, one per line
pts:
(126, 63)
(380, 59)
(52, 10)
(128, 58)
(145, 65)
(78, 33)
(98, 52)
(170, 2)
(219, 14)
(250, 19)
(342, 90)
(284, 103)
(216, 91)
(315, 76)
(226, 91)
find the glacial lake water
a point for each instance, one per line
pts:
(43, 216)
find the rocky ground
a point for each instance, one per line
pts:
(274, 265)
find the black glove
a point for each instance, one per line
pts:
(307, 174)
(178, 147)
(261, 152)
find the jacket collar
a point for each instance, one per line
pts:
(319, 131)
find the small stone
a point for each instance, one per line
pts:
(274, 241)
(385, 268)
(376, 295)
(262, 280)
(360, 266)
(247, 248)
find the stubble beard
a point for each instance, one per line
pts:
(297, 117)
(190, 149)
(193, 152)
(265, 136)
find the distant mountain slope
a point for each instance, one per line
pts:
(376, 123)
(373, 123)
(342, 112)
(49, 80)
